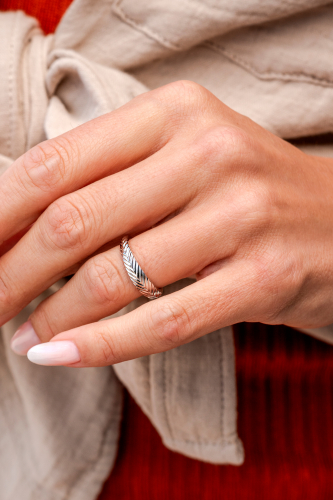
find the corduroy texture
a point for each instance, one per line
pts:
(285, 382)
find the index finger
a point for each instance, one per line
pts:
(87, 153)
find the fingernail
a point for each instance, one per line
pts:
(61, 352)
(24, 338)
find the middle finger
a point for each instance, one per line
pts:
(78, 224)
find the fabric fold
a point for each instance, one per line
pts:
(59, 427)
(189, 393)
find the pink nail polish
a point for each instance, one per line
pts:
(61, 352)
(24, 339)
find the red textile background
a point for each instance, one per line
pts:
(285, 397)
(48, 13)
(285, 405)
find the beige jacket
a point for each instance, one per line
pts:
(270, 60)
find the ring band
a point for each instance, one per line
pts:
(136, 274)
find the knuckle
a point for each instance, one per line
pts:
(68, 223)
(105, 347)
(182, 96)
(187, 89)
(171, 324)
(42, 323)
(222, 142)
(252, 213)
(220, 150)
(103, 280)
(280, 278)
(45, 165)
(11, 294)
(6, 300)
(255, 207)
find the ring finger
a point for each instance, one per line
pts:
(101, 287)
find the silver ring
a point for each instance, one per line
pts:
(136, 274)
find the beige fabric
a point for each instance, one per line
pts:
(59, 426)
(189, 393)
(269, 60)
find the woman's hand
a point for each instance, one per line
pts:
(201, 190)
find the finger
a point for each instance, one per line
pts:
(11, 242)
(62, 165)
(77, 225)
(102, 287)
(223, 298)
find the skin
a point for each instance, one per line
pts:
(201, 190)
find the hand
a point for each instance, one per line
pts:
(201, 190)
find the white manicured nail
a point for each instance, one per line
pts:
(62, 352)
(24, 339)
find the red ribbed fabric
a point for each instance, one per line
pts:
(48, 13)
(285, 397)
(285, 421)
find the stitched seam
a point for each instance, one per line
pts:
(269, 75)
(91, 466)
(226, 442)
(143, 29)
(165, 396)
